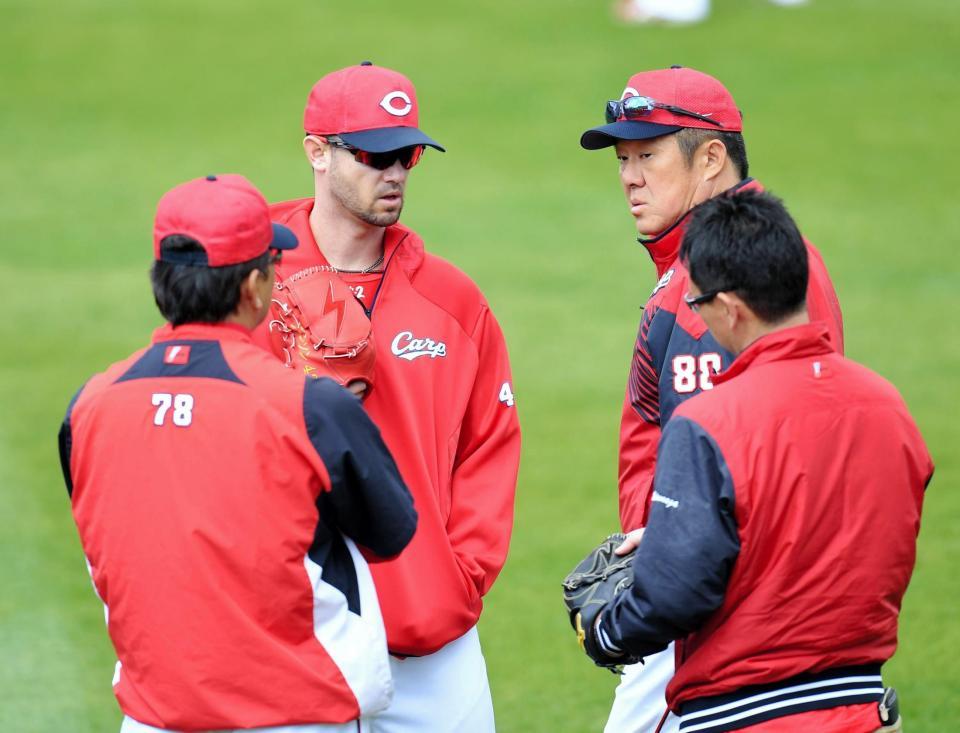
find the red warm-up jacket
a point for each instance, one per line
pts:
(219, 497)
(443, 400)
(781, 539)
(675, 357)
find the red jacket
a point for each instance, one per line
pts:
(449, 419)
(675, 358)
(783, 527)
(217, 496)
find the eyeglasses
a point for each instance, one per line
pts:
(408, 157)
(694, 302)
(276, 257)
(632, 108)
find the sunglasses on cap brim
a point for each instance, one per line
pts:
(408, 157)
(633, 108)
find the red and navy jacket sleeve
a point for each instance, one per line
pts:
(639, 428)
(65, 443)
(822, 302)
(674, 359)
(688, 550)
(368, 500)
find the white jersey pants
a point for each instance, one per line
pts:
(684, 11)
(443, 692)
(132, 726)
(640, 698)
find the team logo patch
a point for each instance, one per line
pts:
(407, 347)
(390, 104)
(176, 355)
(663, 282)
(629, 92)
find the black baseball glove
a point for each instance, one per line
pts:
(588, 588)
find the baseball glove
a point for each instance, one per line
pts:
(599, 578)
(317, 325)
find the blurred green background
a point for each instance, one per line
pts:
(851, 109)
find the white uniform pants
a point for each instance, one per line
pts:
(443, 692)
(640, 698)
(685, 11)
(132, 726)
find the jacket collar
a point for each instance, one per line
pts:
(665, 246)
(222, 331)
(797, 342)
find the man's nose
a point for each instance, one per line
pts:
(396, 173)
(632, 174)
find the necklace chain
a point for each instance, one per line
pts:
(365, 270)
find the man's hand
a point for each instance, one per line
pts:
(631, 543)
(587, 591)
(598, 646)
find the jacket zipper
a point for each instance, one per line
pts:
(386, 267)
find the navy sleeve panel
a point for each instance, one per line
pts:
(685, 558)
(330, 552)
(65, 442)
(657, 336)
(652, 338)
(368, 500)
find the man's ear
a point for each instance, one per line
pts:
(731, 309)
(714, 157)
(250, 291)
(317, 151)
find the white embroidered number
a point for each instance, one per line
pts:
(506, 395)
(182, 408)
(693, 372)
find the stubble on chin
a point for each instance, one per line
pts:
(366, 211)
(379, 219)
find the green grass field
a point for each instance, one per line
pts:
(851, 108)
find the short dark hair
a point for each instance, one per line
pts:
(748, 243)
(691, 138)
(198, 293)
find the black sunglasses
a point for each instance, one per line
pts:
(694, 302)
(632, 108)
(408, 157)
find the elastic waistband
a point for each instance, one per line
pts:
(803, 693)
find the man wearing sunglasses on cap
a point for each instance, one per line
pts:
(678, 138)
(442, 391)
(783, 530)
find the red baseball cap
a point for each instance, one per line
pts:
(368, 107)
(226, 215)
(674, 98)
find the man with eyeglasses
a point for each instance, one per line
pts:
(787, 503)
(442, 391)
(678, 138)
(222, 499)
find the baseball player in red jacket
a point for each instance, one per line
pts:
(223, 500)
(678, 136)
(786, 505)
(442, 391)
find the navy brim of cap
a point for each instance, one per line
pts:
(283, 238)
(385, 139)
(607, 135)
